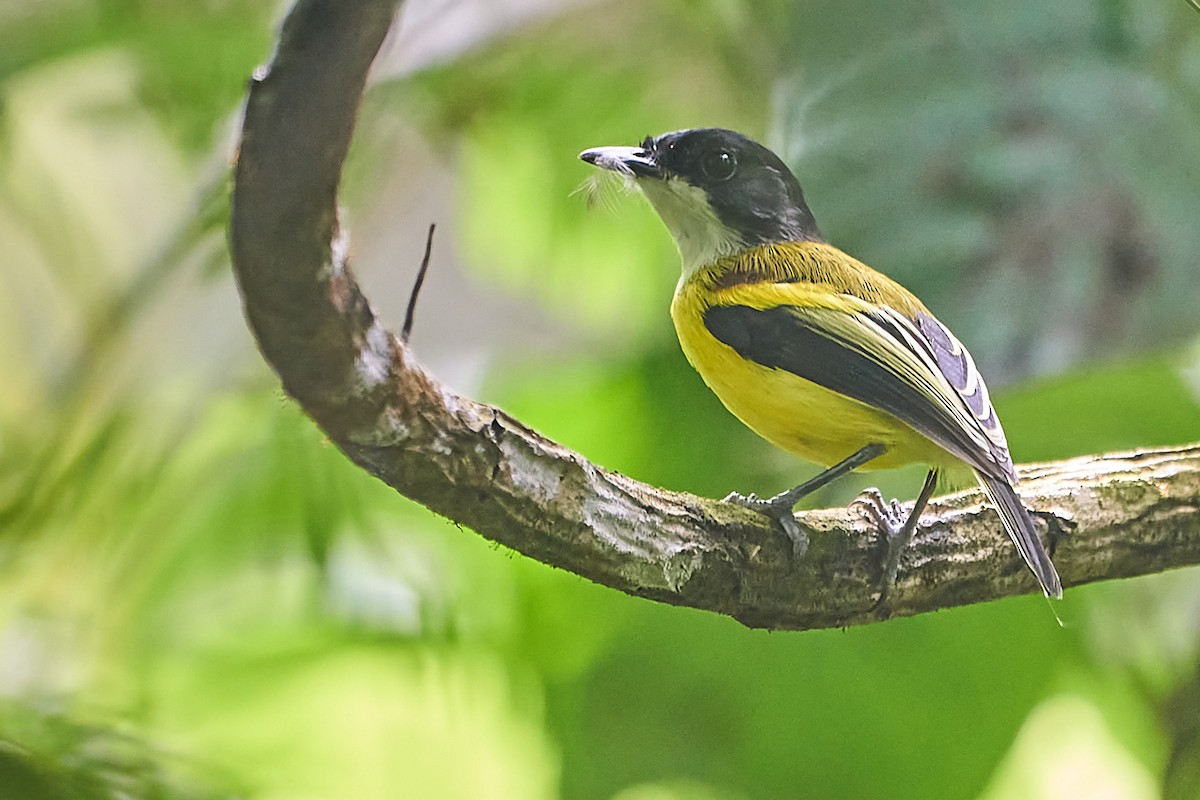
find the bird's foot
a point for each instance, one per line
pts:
(779, 509)
(896, 528)
(1058, 528)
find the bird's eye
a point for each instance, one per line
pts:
(719, 165)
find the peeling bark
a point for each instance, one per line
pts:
(1135, 513)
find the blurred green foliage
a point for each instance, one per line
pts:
(199, 597)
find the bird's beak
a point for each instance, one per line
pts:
(636, 162)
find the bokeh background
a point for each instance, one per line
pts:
(200, 598)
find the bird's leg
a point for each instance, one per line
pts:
(896, 526)
(779, 507)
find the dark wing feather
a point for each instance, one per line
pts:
(877, 357)
(957, 366)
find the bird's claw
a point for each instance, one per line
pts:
(780, 512)
(888, 516)
(891, 520)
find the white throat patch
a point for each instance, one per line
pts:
(699, 234)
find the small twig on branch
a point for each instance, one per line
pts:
(1136, 512)
(416, 290)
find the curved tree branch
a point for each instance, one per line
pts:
(1136, 513)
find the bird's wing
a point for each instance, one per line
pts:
(913, 368)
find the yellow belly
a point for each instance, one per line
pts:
(792, 413)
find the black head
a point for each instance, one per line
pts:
(748, 188)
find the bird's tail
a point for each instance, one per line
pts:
(1020, 527)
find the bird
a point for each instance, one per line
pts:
(813, 350)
